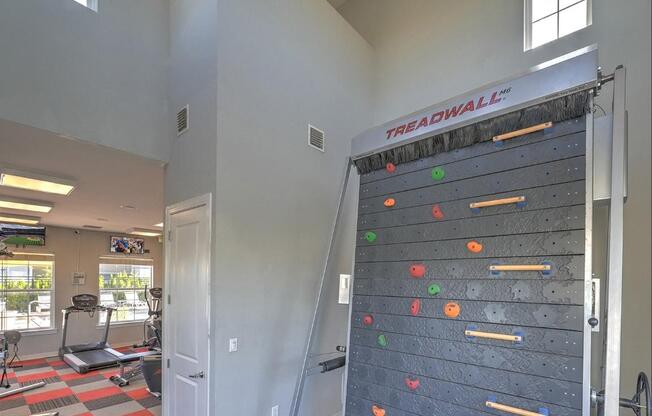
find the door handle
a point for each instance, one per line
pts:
(197, 375)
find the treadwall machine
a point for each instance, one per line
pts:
(473, 289)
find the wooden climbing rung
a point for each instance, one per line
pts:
(522, 132)
(493, 335)
(496, 202)
(520, 267)
(510, 409)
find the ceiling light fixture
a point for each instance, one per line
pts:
(19, 219)
(35, 182)
(25, 204)
(144, 232)
(160, 225)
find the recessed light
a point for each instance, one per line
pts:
(35, 182)
(160, 225)
(19, 219)
(127, 207)
(144, 232)
(25, 204)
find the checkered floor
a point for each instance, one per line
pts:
(73, 394)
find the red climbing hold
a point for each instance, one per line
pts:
(418, 270)
(415, 307)
(389, 202)
(437, 212)
(474, 247)
(391, 168)
(377, 410)
(412, 383)
(368, 320)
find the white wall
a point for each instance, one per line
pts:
(86, 248)
(428, 51)
(100, 77)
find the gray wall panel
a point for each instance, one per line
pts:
(560, 129)
(549, 390)
(453, 393)
(533, 154)
(510, 359)
(551, 196)
(531, 291)
(566, 242)
(562, 268)
(553, 341)
(547, 220)
(561, 171)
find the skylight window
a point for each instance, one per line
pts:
(548, 20)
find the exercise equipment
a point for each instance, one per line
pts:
(513, 166)
(10, 337)
(94, 355)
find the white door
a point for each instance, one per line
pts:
(186, 315)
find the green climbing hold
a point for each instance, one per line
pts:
(434, 289)
(438, 173)
(370, 236)
(382, 340)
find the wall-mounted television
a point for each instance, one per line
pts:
(22, 235)
(127, 245)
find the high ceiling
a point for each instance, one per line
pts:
(106, 179)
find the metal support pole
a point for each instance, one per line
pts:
(298, 391)
(615, 259)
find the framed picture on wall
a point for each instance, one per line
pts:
(22, 235)
(127, 245)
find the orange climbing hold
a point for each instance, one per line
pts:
(368, 320)
(474, 247)
(412, 383)
(390, 167)
(418, 270)
(415, 307)
(377, 410)
(452, 310)
(437, 212)
(390, 202)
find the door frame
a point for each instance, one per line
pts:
(186, 205)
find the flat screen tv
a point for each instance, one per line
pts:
(22, 235)
(127, 245)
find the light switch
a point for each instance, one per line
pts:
(233, 344)
(345, 282)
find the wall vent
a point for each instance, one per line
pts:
(183, 120)
(92, 227)
(316, 138)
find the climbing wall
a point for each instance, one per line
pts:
(468, 294)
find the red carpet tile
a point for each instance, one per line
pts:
(73, 394)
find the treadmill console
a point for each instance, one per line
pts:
(84, 301)
(156, 292)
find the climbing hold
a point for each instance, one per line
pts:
(370, 236)
(434, 289)
(390, 202)
(437, 212)
(418, 270)
(474, 247)
(390, 167)
(382, 340)
(452, 310)
(415, 307)
(368, 320)
(378, 411)
(412, 383)
(438, 173)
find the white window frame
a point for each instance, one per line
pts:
(90, 4)
(527, 21)
(113, 318)
(52, 327)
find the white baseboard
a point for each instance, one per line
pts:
(55, 353)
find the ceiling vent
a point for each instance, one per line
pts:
(316, 138)
(183, 120)
(92, 227)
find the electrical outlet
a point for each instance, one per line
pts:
(233, 345)
(275, 410)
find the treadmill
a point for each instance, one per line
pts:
(87, 357)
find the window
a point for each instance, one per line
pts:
(26, 294)
(547, 20)
(122, 287)
(91, 4)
